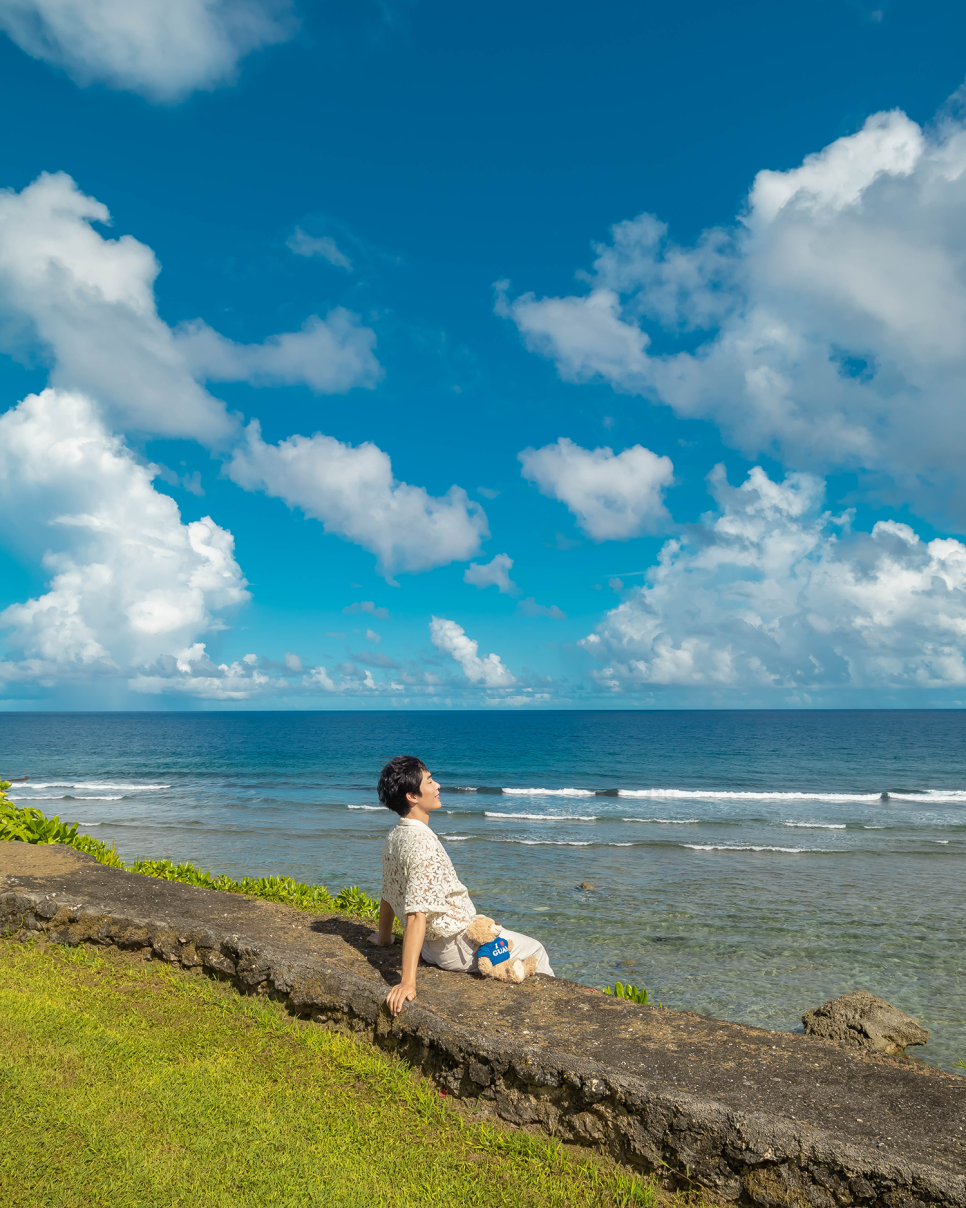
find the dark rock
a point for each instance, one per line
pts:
(739, 1113)
(862, 1019)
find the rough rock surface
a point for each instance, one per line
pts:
(764, 1118)
(862, 1019)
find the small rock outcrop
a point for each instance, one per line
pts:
(862, 1019)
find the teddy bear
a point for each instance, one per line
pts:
(493, 955)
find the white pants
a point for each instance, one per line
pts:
(458, 955)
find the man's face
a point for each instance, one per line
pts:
(428, 796)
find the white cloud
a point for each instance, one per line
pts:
(308, 245)
(828, 324)
(129, 581)
(87, 303)
(352, 491)
(613, 497)
(163, 49)
(193, 673)
(330, 355)
(495, 573)
(586, 336)
(381, 614)
(771, 592)
(451, 639)
(530, 608)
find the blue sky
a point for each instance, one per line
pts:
(416, 356)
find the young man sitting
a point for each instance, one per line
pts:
(421, 889)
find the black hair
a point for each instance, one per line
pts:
(400, 776)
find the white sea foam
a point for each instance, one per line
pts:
(97, 784)
(549, 792)
(455, 838)
(940, 840)
(544, 817)
(365, 807)
(817, 825)
(60, 797)
(665, 821)
(737, 795)
(932, 796)
(549, 842)
(561, 843)
(748, 847)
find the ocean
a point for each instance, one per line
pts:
(746, 865)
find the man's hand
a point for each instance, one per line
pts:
(412, 943)
(403, 993)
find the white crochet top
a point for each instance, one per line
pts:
(418, 877)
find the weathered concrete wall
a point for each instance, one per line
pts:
(752, 1116)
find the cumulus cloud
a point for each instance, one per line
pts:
(774, 592)
(586, 336)
(129, 582)
(309, 245)
(132, 589)
(87, 304)
(352, 491)
(495, 573)
(826, 325)
(331, 355)
(162, 49)
(452, 640)
(612, 496)
(194, 673)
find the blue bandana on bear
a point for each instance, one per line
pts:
(496, 951)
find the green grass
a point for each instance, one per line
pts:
(126, 1084)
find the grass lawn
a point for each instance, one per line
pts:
(136, 1084)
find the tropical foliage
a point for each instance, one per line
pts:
(631, 993)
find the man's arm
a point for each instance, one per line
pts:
(412, 945)
(386, 916)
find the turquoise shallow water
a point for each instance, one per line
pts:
(746, 865)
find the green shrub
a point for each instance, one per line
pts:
(631, 993)
(29, 824)
(354, 901)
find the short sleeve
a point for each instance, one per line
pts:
(425, 881)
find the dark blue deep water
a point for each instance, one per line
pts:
(746, 865)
